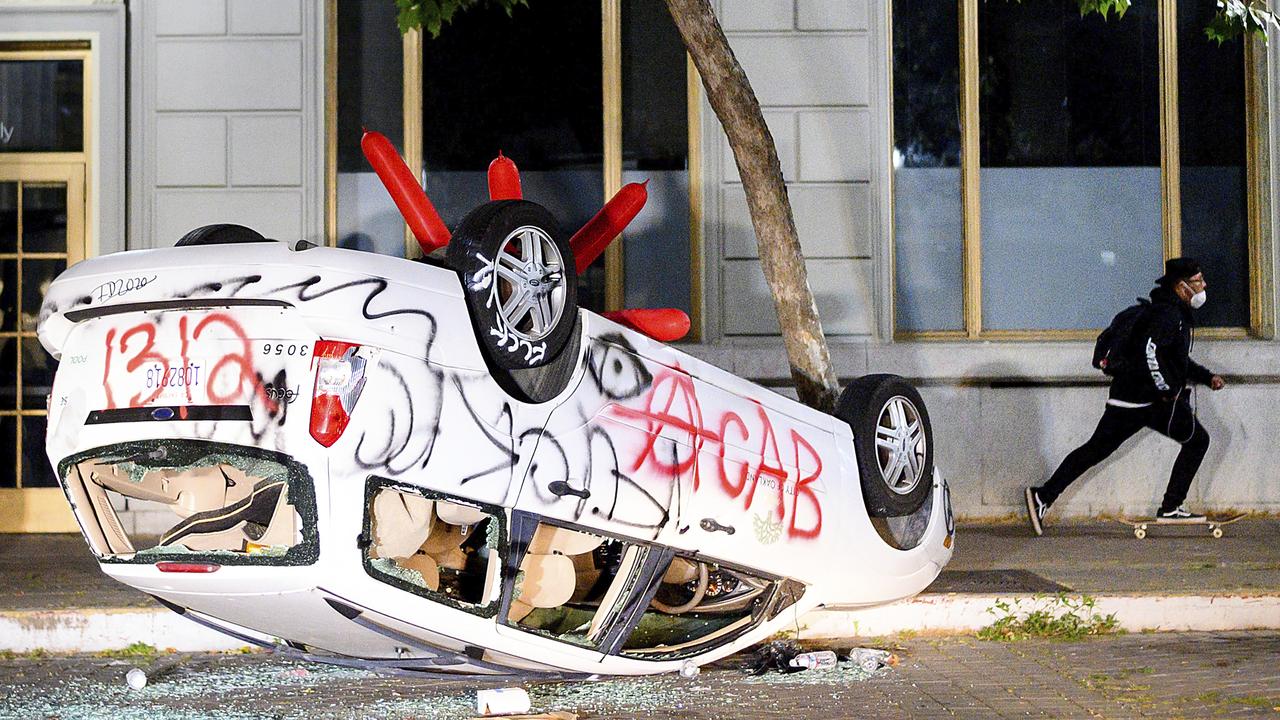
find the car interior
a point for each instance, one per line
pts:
(215, 501)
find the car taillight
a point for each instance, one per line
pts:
(339, 380)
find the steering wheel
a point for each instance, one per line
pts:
(698, 593)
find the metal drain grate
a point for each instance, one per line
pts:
(993, 581)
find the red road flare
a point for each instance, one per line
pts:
(661, 324)
(504, 179)
(613, 218)
(412, 202)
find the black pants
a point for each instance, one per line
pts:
(1171, 419)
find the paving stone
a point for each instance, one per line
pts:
(939, 678)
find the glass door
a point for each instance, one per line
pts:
(44, 163)
(42, 213)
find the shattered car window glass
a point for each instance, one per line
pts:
(570, 581)
(696, 603)
(433, 547)
(236, 503)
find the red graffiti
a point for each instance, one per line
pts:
(686, 417)
(232, 370)
(673, 403)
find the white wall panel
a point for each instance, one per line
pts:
(242, 111)
(832, 14)
(842, 289)
(266, 150)
(191, 150)
(835, 145)
(833, 220)
(805, 69)
(737, 15)
(276, 214)
(191, 17)
(224, 75)
(266, 17)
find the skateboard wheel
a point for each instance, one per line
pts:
(1217, 532)
(1139, 532)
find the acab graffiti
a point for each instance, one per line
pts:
(728, 454)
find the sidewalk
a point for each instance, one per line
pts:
(53, 597)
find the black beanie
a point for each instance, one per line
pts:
(1176, 269)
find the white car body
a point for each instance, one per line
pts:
(646, 446)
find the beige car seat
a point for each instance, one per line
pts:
(550, 576)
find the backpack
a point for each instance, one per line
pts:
(1112, 353)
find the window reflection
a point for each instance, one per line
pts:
(1070, 181)
(655, 147)
(370, 95)
(1211, 136)
(928, 211)
(42, 104)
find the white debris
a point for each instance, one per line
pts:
(502, 701)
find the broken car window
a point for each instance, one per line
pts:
(433, 547)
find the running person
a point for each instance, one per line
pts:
(1152, 393)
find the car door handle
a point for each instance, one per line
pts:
(711, 525)
(562, 488)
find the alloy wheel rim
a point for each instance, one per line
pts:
(530, 283)
(901, 445)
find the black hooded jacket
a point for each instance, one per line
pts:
(1161, 350)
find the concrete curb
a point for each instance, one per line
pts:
(951, 613)
(95, 630)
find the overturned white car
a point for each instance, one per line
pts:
(447, 466)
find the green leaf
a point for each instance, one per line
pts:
(433, 15)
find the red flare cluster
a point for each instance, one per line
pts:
(662, 324)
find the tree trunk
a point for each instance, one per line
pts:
(735, 104)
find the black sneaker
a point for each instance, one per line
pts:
(1179, 515)
(1036, 510)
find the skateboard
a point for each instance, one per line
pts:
(1214, 524)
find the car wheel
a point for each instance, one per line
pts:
(893, 440)
(520, 282)
(221, 234)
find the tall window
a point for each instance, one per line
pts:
(1089, 151)
(370, 90)
(583, 95)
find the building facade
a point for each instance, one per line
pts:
(977, 186)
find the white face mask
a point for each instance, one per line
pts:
(1197, 300)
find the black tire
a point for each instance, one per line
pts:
(221, 234)
(537, 327)
(895, 481)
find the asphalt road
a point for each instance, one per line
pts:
(1165, 675)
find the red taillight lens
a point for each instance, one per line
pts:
(339, 380)
(187, 567)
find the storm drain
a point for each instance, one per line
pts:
(993, 581)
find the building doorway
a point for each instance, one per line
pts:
(44, 108)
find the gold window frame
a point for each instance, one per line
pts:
(1261, 305)
(611, 66)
